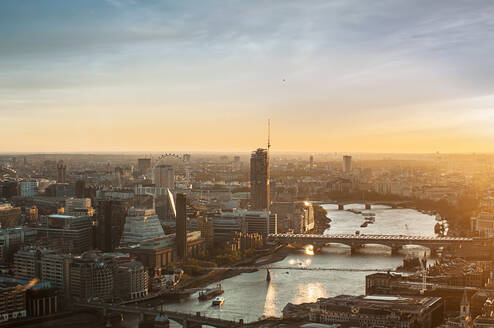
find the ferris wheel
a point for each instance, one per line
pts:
(169, 158)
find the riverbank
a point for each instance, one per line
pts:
(276, 255)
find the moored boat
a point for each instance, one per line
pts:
(209, 293)
(218, 301)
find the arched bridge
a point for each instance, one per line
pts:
(368, 203)
(185, 319)
(396, 242)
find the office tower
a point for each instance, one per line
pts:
(143, 165)
(294, 216)
(91, 276)
(141, 224)
(78, 207)
(261, 222)
(12, 239)
(61, 172)
(80, 188)
(9, 215)
(131, 280)
(110, 220)
(347, 164)
(71, 234)
(181, 235)
(311, 162)
(164, 176)
(186, 158)
(44, 264)
(28, 188)
(27, 264)
(12, 301)
(55, 268)
(245, 221)
(259, 179)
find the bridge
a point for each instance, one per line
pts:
(187, 320)
(301, 267)
(395, 242)
(368, 204)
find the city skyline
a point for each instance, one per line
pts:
(335, 76)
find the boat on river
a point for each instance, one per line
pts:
(218, 301)
(209, 293)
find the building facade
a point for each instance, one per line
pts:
(260, 179)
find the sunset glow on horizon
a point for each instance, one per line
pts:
(333, 76)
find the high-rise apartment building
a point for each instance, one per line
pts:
(164, 176)
(259, 179)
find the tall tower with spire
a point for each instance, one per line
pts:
(260, 191)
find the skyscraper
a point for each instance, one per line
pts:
(61, 172)
(347, 164)
(181, 235)
(143, 165)
(164, 176)
(110, 220)
(259, 179)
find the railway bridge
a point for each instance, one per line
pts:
(368, 204)
(187, 320)
(395, 242)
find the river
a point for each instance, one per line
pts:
(250, 297)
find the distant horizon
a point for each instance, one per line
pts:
(346, 76)
(247, 152)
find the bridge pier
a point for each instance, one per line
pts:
(368, 206)
(354, 249)
(395, 250)
(341, 207)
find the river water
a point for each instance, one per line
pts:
(250, 297)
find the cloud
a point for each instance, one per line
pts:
(344, 61)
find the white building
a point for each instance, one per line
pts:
(141, 224)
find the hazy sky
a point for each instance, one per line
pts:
(343, 75)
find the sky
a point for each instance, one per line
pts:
(333, 76)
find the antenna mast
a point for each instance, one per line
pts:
(269, 133)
